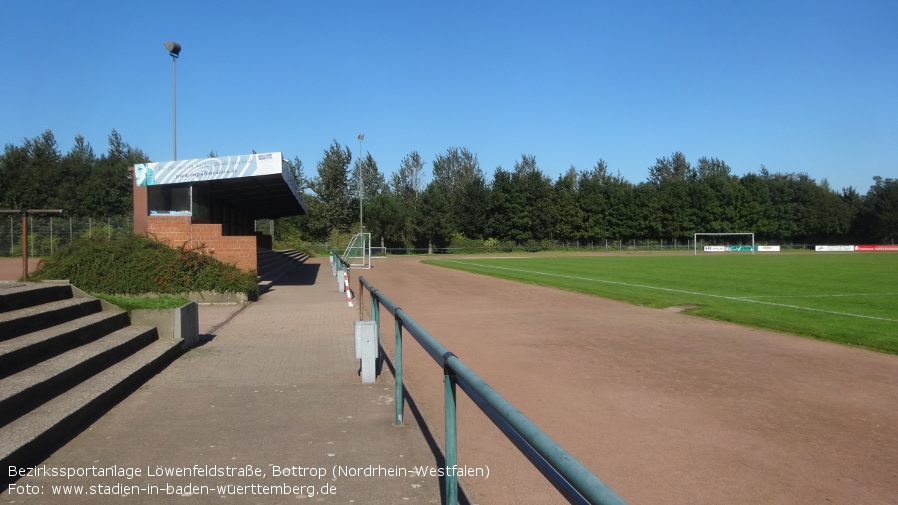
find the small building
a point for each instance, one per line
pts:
(213, 203)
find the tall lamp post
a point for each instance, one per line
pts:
(174, 49)
(361, 225)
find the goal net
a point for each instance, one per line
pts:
(723, 242)
(358, 253)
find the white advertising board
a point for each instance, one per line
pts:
(768, 248)
(716, 248)
(834, 248)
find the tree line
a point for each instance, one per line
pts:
(458, 203)
(37, 175)
(521, 206)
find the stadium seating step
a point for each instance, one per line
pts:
(65, 358)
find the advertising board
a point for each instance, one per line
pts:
(878, 247)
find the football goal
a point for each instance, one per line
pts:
(715, 244)
(358, 253)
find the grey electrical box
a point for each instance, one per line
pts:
(366, 349)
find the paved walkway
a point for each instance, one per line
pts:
(274, 391)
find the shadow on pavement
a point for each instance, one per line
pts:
(439, 459)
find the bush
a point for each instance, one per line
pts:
(136, 265)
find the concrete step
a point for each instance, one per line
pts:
(25, 390)
(22, 321)
(27, 440)
(20, 295)
(23, 351)
(279, 264)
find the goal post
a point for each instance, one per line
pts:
(697, 235)
(358, 252)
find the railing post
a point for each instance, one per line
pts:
(451, 449)
(400, 398)
(375, 313)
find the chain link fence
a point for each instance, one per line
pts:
(46, 234)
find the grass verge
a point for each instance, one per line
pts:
(130, 303)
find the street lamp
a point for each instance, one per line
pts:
(361, 226)
(174, 49)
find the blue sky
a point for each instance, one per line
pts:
(798, 86)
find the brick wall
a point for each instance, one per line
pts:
(179, 230)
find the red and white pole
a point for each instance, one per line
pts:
(348, 290)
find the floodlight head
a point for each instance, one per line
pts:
(361, 136)
(174, 49)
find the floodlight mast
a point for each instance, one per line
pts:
(361, 225)
(174, 50)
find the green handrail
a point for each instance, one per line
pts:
(569, 476)
(338, 261)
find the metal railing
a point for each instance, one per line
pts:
(48, 234)
(573, 480)
(338, 263)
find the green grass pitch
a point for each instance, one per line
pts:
(851, 298)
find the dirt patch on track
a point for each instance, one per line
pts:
(664, 407)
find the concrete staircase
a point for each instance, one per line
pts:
(272, 265)
(65, 359)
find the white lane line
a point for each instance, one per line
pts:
(670, 290)
(843, 295)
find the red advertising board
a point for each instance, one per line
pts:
(879, 247)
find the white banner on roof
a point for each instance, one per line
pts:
(207, 169)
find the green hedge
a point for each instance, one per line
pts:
(135, 265)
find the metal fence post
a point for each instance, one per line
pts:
(451, 449)
(375, 311)
(400, 398)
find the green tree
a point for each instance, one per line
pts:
(453, 174)
(107, 190)
(648, 214)
(536, 193)
(373, 184)
(333, 209)
(386, 219)
(564, 210)
(621, 215)
(77, 166)
(33, 172)
(592, 203)
(473, 207)
(433, 222)
(373, 180)
(506, 208)
(877, 220)
(296, 168)
(12, 172)
(757, 212)
(671, 177)
(407, 184)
